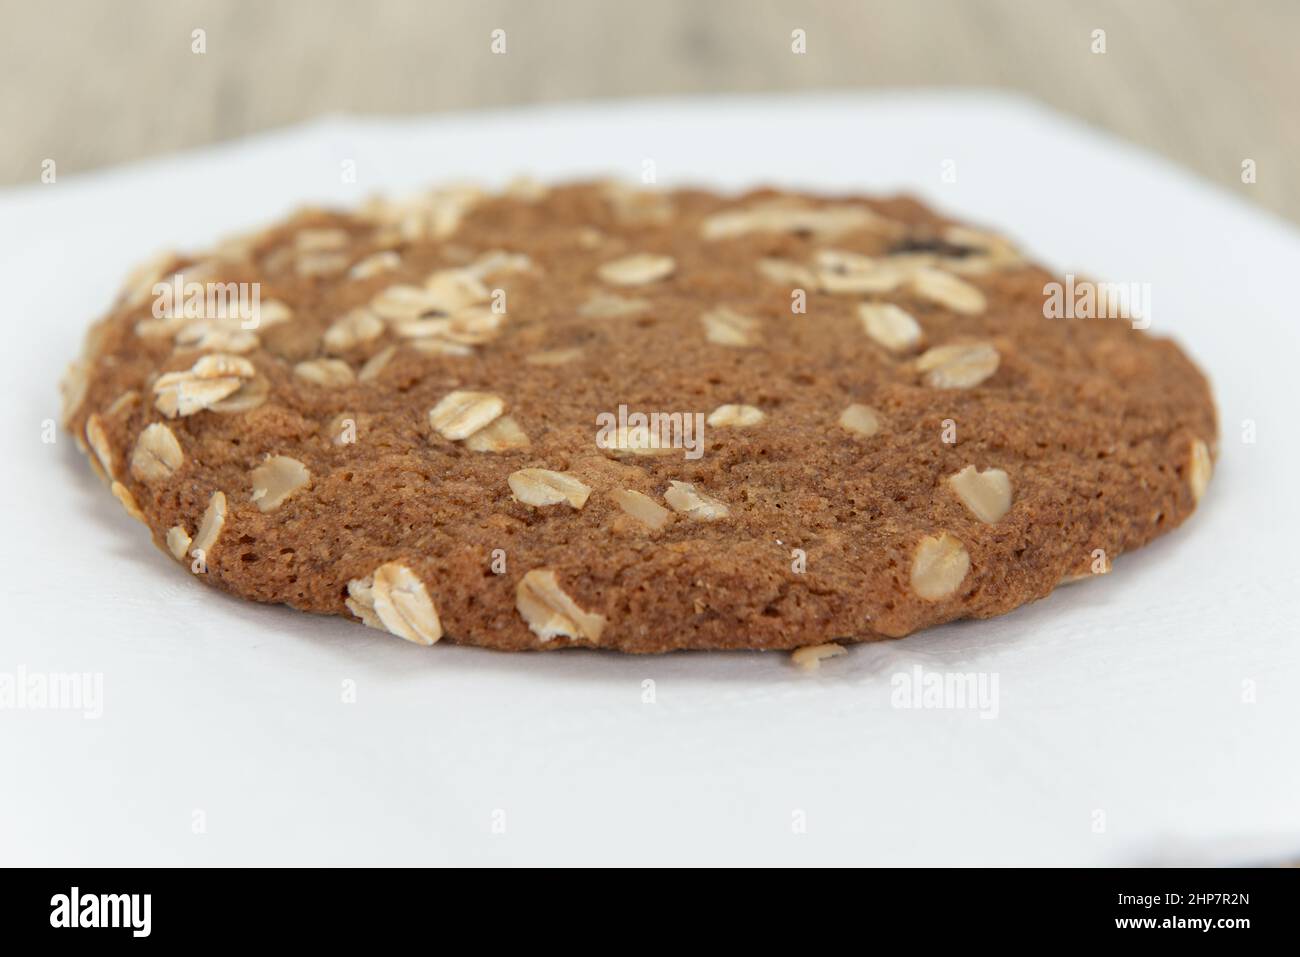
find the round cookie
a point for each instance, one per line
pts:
(589, 415)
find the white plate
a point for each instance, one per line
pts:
(1149, 716)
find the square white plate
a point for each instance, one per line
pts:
(1148, 716)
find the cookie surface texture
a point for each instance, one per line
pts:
(587, 415)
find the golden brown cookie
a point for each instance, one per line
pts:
(590, 415)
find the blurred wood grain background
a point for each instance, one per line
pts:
(89, 83)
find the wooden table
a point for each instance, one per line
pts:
(1208, 83)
